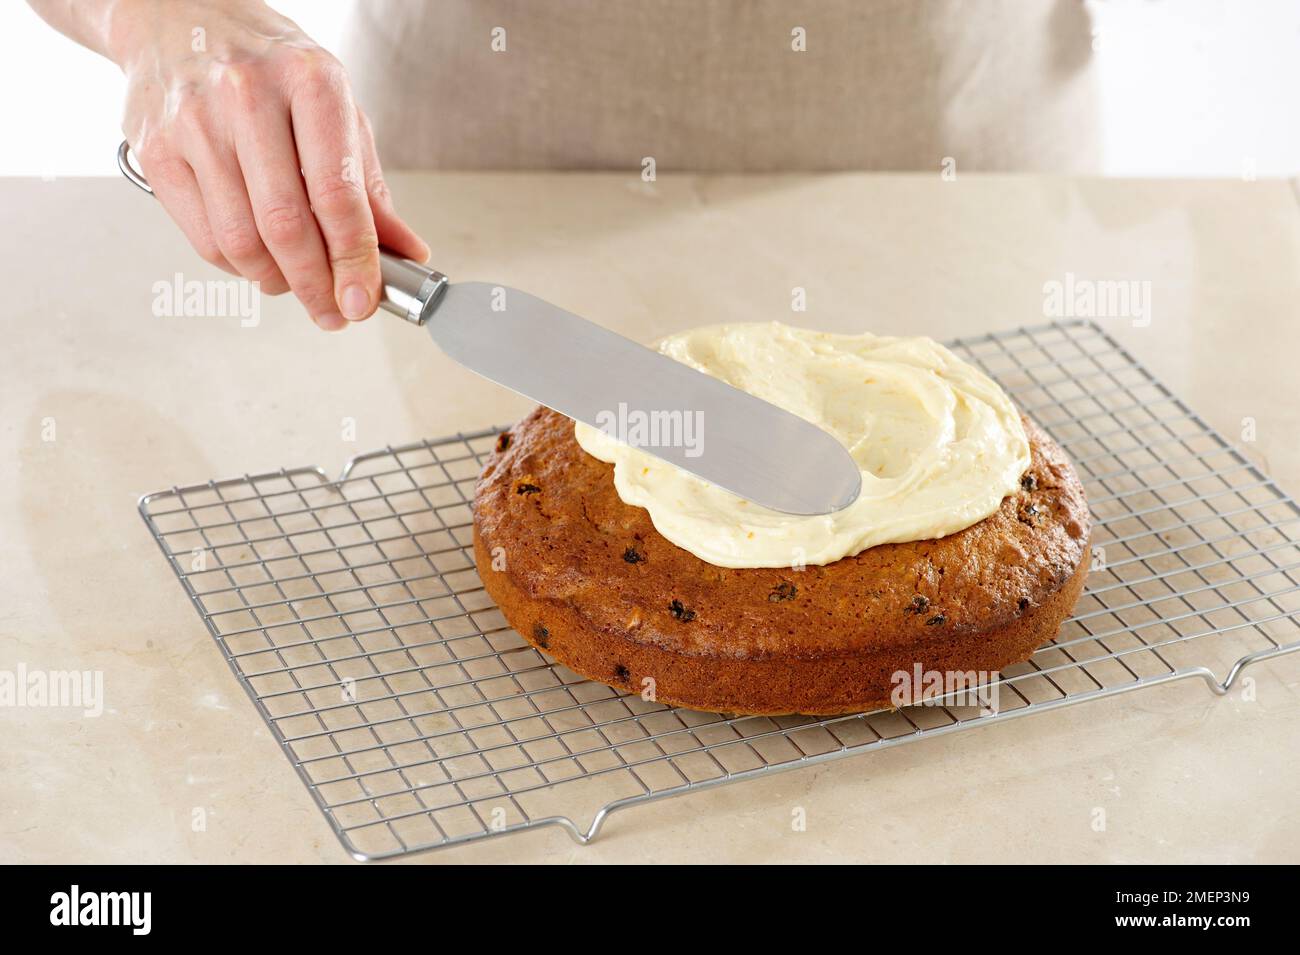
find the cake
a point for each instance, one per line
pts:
(589, 580)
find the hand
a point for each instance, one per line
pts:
(248, 134)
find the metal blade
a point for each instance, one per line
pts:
(737, 442)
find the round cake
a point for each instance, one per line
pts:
(587, 578)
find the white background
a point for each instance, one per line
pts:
(1189, 88)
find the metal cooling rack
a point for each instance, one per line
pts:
(350, 612)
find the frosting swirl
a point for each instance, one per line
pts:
(939, 444)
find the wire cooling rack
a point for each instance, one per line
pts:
(351, 613)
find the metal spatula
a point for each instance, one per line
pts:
(727, 437)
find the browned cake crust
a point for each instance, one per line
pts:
(589, 580)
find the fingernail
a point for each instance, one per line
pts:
(355, 302)
(332, 322)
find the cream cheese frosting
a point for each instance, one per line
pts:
(939, 444)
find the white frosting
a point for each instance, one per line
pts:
(939, 445)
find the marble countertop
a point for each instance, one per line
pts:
(104, 400)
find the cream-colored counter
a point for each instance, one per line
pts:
(135, 403)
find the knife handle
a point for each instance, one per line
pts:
(409, 289)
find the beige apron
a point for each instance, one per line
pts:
(586, 84)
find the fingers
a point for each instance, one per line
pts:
(393, 232)
(329, 150)
(230, 216)
(265, 147)
(176, 187)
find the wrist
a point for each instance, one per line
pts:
(131, 28)
(125, 26)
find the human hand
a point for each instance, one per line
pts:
(248, 134)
